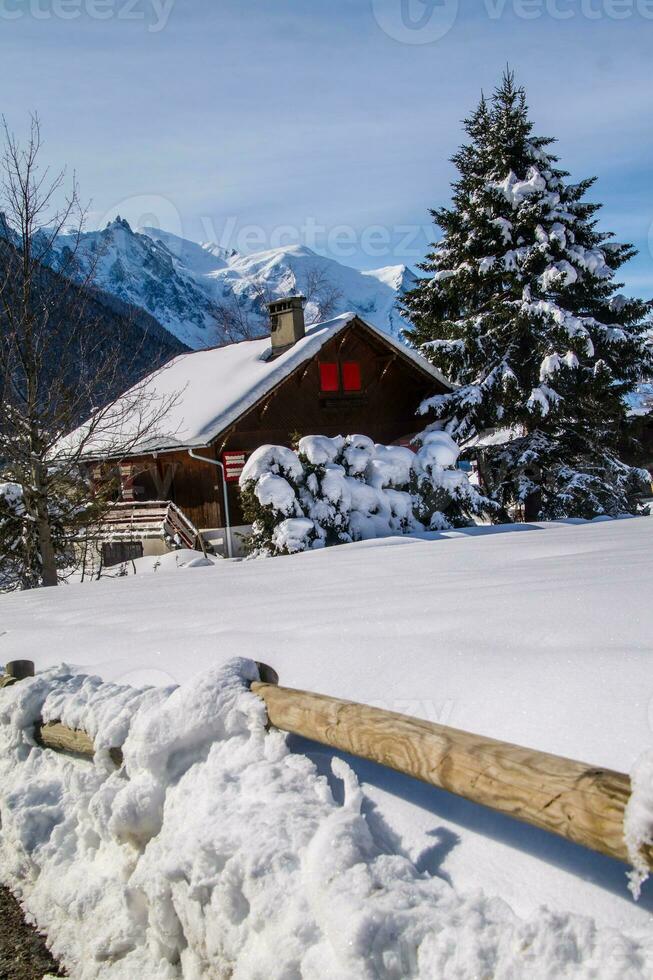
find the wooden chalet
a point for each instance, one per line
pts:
(338, 377)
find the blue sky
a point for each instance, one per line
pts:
(259, 122)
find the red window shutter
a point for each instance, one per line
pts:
(351, 376)
(329, 380)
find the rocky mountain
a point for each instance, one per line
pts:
(205, 295)
(124, 335)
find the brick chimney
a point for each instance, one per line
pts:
(286, 323)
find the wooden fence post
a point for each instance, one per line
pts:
(20, 669)
(17, 670)
(585, 804)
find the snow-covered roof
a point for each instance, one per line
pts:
(213, 388)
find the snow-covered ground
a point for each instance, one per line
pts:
(539, 635)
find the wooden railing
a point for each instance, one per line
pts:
(178, 525)
(582, 803)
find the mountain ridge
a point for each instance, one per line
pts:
(205, 295)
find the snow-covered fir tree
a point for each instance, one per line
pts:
(520, 309)
(443, 496)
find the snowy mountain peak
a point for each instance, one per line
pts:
(198, 259)
(119, 222)
(214, 249)
(397, 277)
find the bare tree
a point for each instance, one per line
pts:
(240, 316)
(323, 297)
(60, 363)
(243, 315)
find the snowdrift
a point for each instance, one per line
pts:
(215, 852)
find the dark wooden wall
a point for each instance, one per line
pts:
(385, 409)
(194, 486)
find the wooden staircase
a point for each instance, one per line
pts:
(132, 520)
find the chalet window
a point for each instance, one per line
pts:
(345, 377)
(351, 376)
(329, 376)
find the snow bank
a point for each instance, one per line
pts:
(638, 824)
(216, 853)
(171, 561)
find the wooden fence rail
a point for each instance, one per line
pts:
(582, 803)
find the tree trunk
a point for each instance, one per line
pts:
(47, 555)
(46, 548)
(532, 506)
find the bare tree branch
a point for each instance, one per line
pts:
(61, 361)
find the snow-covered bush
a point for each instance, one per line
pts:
(296, 534)
(324, 495)
(269, 487)
(337, 490)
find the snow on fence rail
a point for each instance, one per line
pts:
(582, 803)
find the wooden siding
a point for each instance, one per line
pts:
(192, 485)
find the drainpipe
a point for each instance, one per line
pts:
(225, 496)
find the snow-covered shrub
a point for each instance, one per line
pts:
(583, 490)
(269, 487)
(565, 478)
(324, 494)
(296, 534)
(389, 508)
(337, 490)
(356, 454)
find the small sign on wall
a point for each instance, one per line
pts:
(127, 481)
(234, 463)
